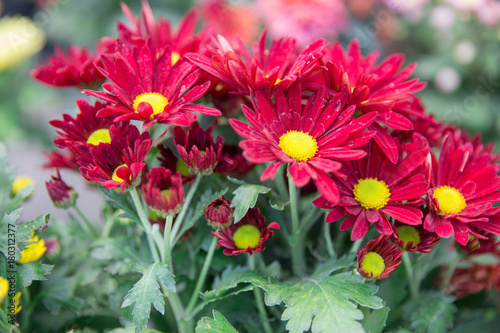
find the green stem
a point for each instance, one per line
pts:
(257, 293)
(177, 309)
(202, 277)
(297, 254)
(328, 239)
(145, 224)
(409, 273)
(166, 241)
(185, 207)
(280, 183)
(449, 272)
(86, 222)
(355, 246)
(106, 230)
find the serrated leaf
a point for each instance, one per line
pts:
(146, 292)
(328, 304)
(245, 197)
(120, 201)
(217, 325)
(32, 271)
(334, 264)
(374, 320)
(433, 316)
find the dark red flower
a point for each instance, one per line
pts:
(163, 192)
(62, 195)
(413, 238)
(219, 213)
(146, 87)
(464, 186)
(232, 163)
(73, 68)
(374, 187)
(118, 163)
(310, 138)
(473, 279)
(169, 161)
(60, 160)
(378, 258)
(384, 88)
(197, 149)
(246, 236)
(485, 242)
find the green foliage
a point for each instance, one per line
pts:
(434, 314)
(217, 325)
(32, 271)
(146, 292)
(245, 197)
(119, 201)
(374, 320)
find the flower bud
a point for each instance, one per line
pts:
(62, 195)
(219, 214)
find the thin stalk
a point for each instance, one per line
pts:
(409, 273)
(185, 207)
(328, 239)
(280, 183)
(106, 230)
(202, 277)
(166, 241)
(297, 254)
(145, 224)
(257, 293)
(177, 309)
(355, 246)
(449, 272)
(86, 222)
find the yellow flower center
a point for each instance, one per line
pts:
(373, 263)
(278, 80)
(33, 251)
(298, 145)
(371, 193)
(407, 234)
(4, 288)
(450, 200)
(115, 177)
(98, 136)
(246, 235)
(20, 183)
(175, 57)
(157, 102)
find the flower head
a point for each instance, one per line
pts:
(61, 160)
(74, 68)
(117, 163)
(21, 182)
(219, 213)
(163, 191)
(170, 161)
(33, 251)
(62, 195)
(197, 149)
(378, 258)
(232, 163)
(473, 279)
(463, 188)
(484, 242)
(4, 288)
(310, 138)
(246, 236)
(413, 238)
(374, 187)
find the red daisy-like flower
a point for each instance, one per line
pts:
(378, 258)
(73, 68)
(414, 238)
(197, 148)
(169, 161)
(246, 236)
(84, 130)
(219, 213)
(163, 191)
(384, 88)
(486, 243)
(374, 186)
(62, 195)
(232, 163)
(473, 279)
(310, 139)
(145, 86)
(275, 68)
(61, 160)
(118, 163)
(464, 186)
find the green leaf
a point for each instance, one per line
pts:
(434, 315)
(120, 201)
(7, 175)
(32, 271)
(327, 304)
(217, 325)
(374, 320)
(245, 197)
(146, 292)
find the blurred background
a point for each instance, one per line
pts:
(456, 44)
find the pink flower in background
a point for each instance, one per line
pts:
(305, 20)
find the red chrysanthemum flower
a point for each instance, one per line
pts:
(473, 279)
(275, 68)
(378, 258)
(62, 195)
(197, 148)
(464, 186)
(486, 243)
(373, 187)
(73, 68)
(163, 192)
(169, 161)
(384, 88)
(146, 87)
(232, 163)
(414, 238)
(118, 163)
(219, 213)
(61, 160)
(246, 236)
(310, 139)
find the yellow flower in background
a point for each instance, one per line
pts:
(20, 38)
(16, 302)
(4, 288)
(21, 182)
(33, 251)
